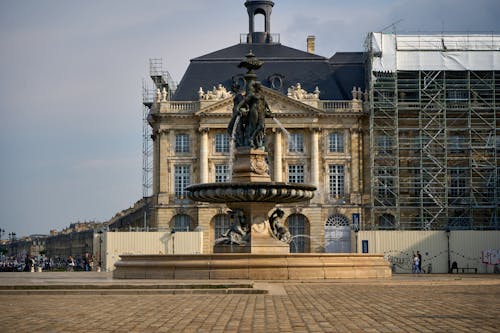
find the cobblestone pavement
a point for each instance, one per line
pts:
(397, 305)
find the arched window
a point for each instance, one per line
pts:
(337, 220)
(297, 225)
(221, 224)
(386, 222)
(182, 222)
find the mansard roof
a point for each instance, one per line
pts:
(283, 66)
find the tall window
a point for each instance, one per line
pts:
(297, 228)
(386, 184)
(221, 173)
(295, 173)
(384, 144)
(221, 143)
(458, 182)
(182, 222)
(182, 179)
(296, 143)
(336, 142)
(182, 143)
(221, 225)
(336, 176)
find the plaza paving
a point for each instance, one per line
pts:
(405, 303)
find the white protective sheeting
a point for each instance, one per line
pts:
(392, 52)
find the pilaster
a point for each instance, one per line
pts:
(204, 155)
(278, 156)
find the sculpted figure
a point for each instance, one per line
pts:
(238, 232)
(254, 109)
(278, 229)
(238, 132)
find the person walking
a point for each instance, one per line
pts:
(419, 262)
(416, 264)
(70, 264)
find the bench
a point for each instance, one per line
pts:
(454, 266)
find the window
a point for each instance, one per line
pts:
(336, 142)
(182, 143)
(295, 173)
(182, 222)
(456, 144)
(386, 222)
(182, 179)
(221, 143)
(221, 225)
(336, 177)
(296, 143)
(458, 183)
(297, 228)
(386, 184)
(384, 144)
(221, 173)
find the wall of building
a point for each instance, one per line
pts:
(465, 247)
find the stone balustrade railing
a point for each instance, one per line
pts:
(341, 106)
(329, 106)
(179, 106)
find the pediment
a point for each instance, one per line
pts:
(279, 104)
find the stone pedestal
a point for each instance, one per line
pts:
(250, 166)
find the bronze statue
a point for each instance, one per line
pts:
(253, 110)
(239, 231)
(235, 128)
(278, 229)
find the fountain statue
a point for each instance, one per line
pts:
(251, 194)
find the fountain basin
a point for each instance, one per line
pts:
(251, 192)
(297, 266)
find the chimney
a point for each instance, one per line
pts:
(310, 44)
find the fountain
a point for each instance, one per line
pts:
(257, 245)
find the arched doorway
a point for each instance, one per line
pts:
(181, 222)
(337, 234)
(298, 227)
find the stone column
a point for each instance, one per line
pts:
(278, 156)
(355, 175)
(315, 162)
(204, 155)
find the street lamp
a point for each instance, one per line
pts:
(100, 248)
(172, 234)
(2, 232)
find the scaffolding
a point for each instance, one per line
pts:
(162, 82)
(435, 143)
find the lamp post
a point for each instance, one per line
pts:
(2, 232)
(447, 230)
(100, 248)
(172, 233)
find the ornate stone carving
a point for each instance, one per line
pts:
(215, 94)
(296, 92)
(259, 165)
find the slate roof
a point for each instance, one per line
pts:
(334, 78)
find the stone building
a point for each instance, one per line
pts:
(318, 137)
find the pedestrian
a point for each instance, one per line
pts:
(419, 262)
(27, 263)
(70, 264)
(87, 262)
(416, 264)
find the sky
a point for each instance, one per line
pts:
(71, 76)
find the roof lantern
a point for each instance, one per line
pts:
(256, 7)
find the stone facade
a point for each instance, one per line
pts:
(320, 143)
